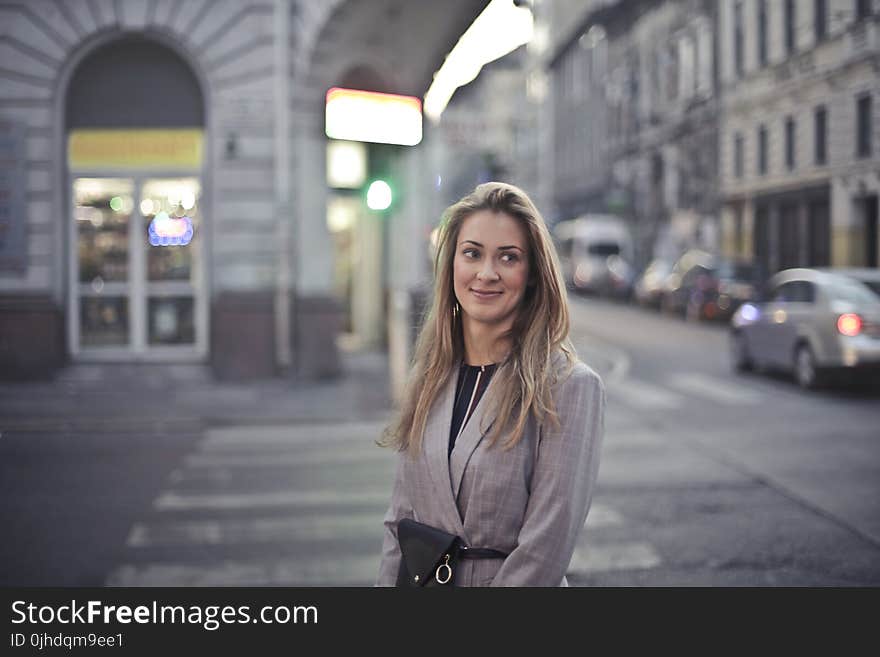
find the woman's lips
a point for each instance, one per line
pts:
(485, 295)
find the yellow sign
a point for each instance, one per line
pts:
(175, 148)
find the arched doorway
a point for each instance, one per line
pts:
(134, 129)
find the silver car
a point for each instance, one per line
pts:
(814, 323)
(864, 275)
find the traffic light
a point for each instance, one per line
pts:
(382, 190)
(379, 195)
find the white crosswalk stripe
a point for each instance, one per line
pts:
(603, 516)
(357, 570)
(284, 498)
(713, 388)
(362, 433)
(595, 557)
(678, 389)
(645, 396)
(257, 530)
(249, 459)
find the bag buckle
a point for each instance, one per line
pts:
(448, 568)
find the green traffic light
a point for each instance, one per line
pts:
(379, 195)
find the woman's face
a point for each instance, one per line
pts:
(490, 269)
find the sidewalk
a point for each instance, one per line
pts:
(161, 397)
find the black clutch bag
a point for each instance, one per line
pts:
(429, 556)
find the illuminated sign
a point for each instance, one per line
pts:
(170, 231)
(135, 149)
(373, 117)
(346, 164)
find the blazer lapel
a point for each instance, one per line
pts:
(436, 446)
(481, 421)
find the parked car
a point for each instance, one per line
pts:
(864, 275)
(706, 286)
(813, 323)
(687, 273)
(648, 287)
(726, 285)
(596, 252)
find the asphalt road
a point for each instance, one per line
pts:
(708, 478)
(717, 478)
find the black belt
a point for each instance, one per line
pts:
(480, 553)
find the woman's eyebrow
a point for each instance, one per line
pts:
(500, 248)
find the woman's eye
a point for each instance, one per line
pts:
(511, 257)
(470, 253)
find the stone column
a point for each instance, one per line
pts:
(406, 260)
(282, 182)
(317, 316)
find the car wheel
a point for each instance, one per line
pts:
(739, 353)
(806, 373)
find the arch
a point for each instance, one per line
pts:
(108, 37)
(101, 92)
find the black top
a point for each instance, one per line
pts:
(472, 383)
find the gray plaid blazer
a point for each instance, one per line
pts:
(530, 501)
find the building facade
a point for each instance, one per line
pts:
(636, 123)
(165, 194)
(800, 150)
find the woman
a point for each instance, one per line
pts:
(500, 429)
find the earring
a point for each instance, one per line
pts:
(456, 309)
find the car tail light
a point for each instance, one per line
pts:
(849, 324)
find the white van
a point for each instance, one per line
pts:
(596, 252)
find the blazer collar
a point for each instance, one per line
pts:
(448, 472)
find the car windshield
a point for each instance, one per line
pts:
(874, 286)
(604, 249)
(851, 290)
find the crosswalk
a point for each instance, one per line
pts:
(294, 505)
(302, 505)
(298, 505)
(678, 390)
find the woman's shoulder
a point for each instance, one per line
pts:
(571, 372)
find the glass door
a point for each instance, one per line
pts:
(138, 268)
(103, 209)
(171, 239)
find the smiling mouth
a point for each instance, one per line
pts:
(485, 294)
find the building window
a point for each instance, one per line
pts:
(738, 146)
(821, 137)
(738, 37)
(739, 246)
(762, 150)
(762, 32)
(672, 71)
(863, 126)
(820, 19)
(790, 26)
(864, 8)
(789, 143)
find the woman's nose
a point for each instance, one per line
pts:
(487, 271)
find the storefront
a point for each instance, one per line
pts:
(163, 191)
(136, 253)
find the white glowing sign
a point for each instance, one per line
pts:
(373, 117)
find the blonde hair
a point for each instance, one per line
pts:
(540, 329)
